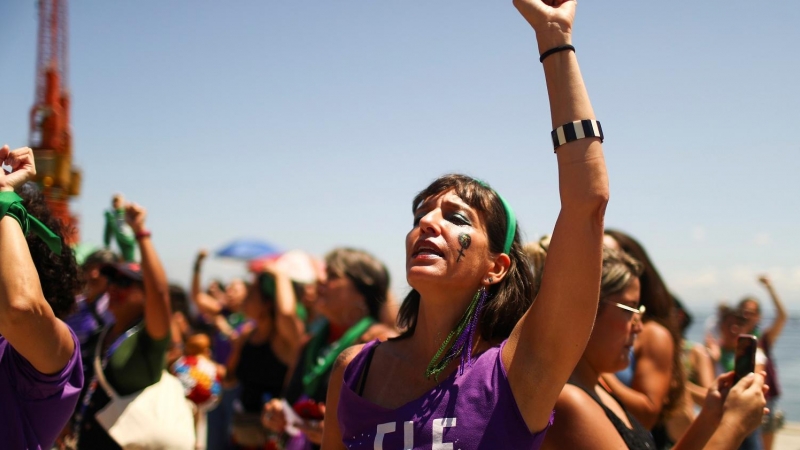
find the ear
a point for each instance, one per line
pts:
(498, 270)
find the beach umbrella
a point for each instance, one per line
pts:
(248, 249)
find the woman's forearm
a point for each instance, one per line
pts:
(289, 325)
(156, 288)
(698, 434)
(583, 179)
(196, 288)
(781, 316)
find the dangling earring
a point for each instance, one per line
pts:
(464, 334)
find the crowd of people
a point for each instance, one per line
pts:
(572, 341)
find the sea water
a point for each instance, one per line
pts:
(786, 353)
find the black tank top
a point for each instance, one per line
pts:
(636, 438)
(261, 375)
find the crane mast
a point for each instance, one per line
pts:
(50, 133)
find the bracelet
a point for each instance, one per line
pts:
(560, 48)
(143, 234)
(573, 131)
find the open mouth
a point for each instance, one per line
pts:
(426, 250)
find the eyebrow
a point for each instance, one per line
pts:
(461, 206)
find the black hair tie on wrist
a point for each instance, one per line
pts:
(560, 48)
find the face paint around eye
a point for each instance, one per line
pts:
(465, 240)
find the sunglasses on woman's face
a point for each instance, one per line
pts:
(640, 310)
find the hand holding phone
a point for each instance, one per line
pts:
(745, 363)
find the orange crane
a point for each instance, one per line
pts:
(50, 134)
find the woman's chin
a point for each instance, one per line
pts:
(421, 274)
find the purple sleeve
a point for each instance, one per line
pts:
(41, 404)
(34, 385)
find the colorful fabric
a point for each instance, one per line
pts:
(200, 379)
(473, 410)
(35, 407)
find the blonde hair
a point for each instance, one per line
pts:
(536, 252)
(619, 268)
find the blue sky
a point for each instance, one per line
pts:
(313, 124)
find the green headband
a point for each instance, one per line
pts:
(511, 228)
(11, 205)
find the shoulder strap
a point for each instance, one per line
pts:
(363, 383)
(98, 366)
(590, 392)
(354, 371)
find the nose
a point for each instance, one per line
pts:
(429, 223)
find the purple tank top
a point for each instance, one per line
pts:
(475, 410)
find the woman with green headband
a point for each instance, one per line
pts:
(40, 365)
(481, 364)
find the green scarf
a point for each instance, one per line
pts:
(319, 359)
(11, 205)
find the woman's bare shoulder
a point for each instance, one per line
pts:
(580, 423)
(346, 357)
(378, 331)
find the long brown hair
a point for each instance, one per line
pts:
(660, 305)
(508, 299)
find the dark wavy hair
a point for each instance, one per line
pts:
(660, 305)
(509, 299)
(58, 273)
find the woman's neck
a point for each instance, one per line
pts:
(584, 374)
(434, 323)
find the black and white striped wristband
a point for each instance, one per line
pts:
(576, 130)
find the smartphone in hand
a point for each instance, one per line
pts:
(746, 348)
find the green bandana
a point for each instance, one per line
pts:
(11, 205)
(319, 359)
(511, 218)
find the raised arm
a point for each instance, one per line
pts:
(781, 316)
(27, 321)
(205, 303)
(289, 326)
(156, 288)
(550, 338)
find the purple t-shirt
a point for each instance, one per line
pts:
(84, 323)
(475, 410)
(35, 407)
